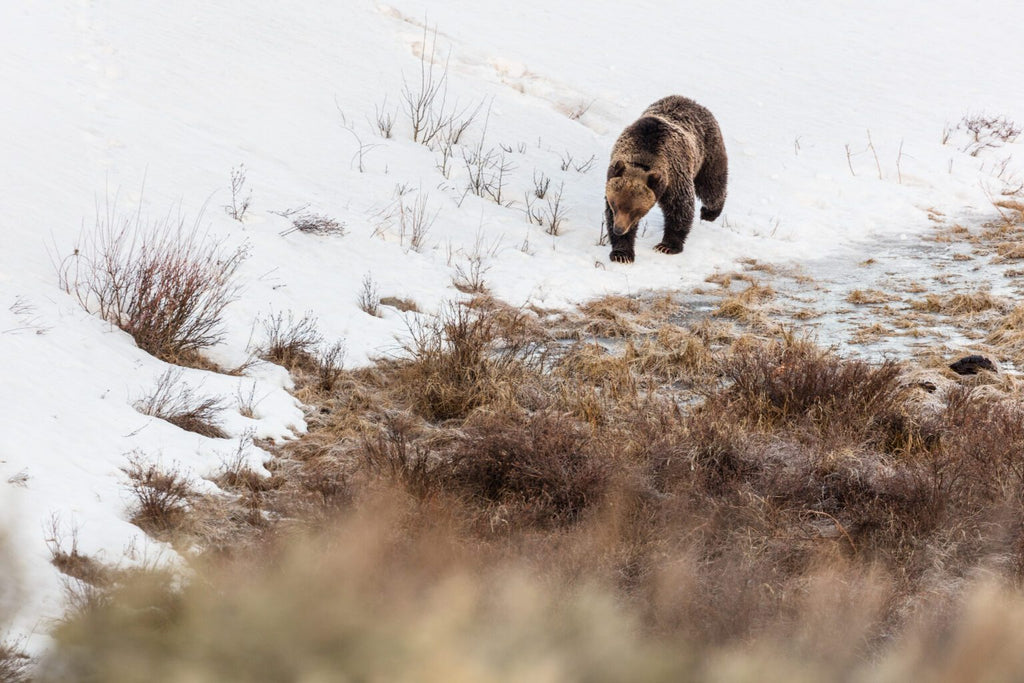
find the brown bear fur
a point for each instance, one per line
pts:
(669, 155)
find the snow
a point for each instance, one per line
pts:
(151, 105)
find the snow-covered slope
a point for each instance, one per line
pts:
(101, 100)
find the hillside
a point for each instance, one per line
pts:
(846, 128)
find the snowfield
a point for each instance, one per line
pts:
(833, 115)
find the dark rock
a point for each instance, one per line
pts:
(971, 365)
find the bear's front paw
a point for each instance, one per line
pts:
(708, 214)
(622, 257)
(666, 248)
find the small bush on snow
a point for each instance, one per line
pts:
(165, 283)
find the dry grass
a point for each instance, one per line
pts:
(613, 316)
(178, 404)
(870, 333)
(1010, 251)
(160, 497)
(732, 506)
(403, 305)
(671, 355)
(747, 306)
(290, 342)
(1008, 335)
(959, 304)
(459, 362)
(869, 296)
(725, 280)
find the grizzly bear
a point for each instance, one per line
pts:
(671, 153)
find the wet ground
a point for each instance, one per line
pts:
(939, 294)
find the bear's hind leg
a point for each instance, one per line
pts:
(710, 186)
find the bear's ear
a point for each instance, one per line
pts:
(656, 182)
(616, 169)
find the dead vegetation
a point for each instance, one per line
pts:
(729, 496)
(15, 665)
(165, 283)
(160, 497)
(958, 304)
(177, 403)
(869, 296)
(309, 223)
(724, 497)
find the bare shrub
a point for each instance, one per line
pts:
(238, 474)
(538, 469)
(450, 138)
(239, 204)
(541, 183)
(246, 401)
(469, 276)
(70, 562)
(290, 342)
(165, 283)
(487, 173)
(316, 224)
(176, 403)
(330, 364)
(569, 161)
(393, 452)
(426, 101)
(15, 665)
(369, 297)
(161, 497)
(553, 215)
(550, 216)
(456, 365)
(985, 132)
(793, 381)
(415, 219)
(384, 119)
(362, 148)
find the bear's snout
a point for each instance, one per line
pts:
(620, 226)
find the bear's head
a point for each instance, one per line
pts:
(631, 192)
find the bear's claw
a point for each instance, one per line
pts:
(665, 248)
(622, 257)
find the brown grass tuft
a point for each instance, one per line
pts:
(869, 296)
(959, 304)
(403, 305)
(176, 403)
(161, 497)
(290, 342)
(459, 362)
(746, 306)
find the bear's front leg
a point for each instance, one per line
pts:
(678, 211)
(622, 245)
